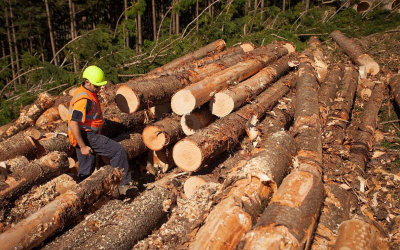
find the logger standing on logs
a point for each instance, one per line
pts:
(85, 122)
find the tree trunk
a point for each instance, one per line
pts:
(122, 226)
(153, 11)
(15, 42)
(29, 115)
(37, 198)
(159, 135)
(213, 47)
(340, 111)
(307, 127)
(191, 153)
(319, 59)
(60, 143)
(307, 5)
(35, 173)
(137, 34)
(126, 32)
(49, 116)
(197, 15)
(60, 212)
(356, 234)
(394, 84)
(134, 96)
(197, 120)
(328, 89)
(355, 52)
(191, 97)
(225, 101)
(72, 24)
(9, 41)
(16, 145)
(139, 25)
(291, 216)
(234, 216)
(52, 41)
(185, 218)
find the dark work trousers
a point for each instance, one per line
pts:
(102, 145)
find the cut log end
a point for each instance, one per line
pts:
(63, 111)
(222, 105)
(160, 110)
(190, 124)
(187, 155)
(183, 102)
(247, 47)
(290, 47)
(192, 185)
(371, 66)
(126, 99)
(33, 133)
(154, 138)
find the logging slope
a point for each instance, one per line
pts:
(267, 147)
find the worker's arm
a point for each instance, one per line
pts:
(85, 150)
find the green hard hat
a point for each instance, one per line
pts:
(95, 76)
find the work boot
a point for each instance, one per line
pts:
(127, 190)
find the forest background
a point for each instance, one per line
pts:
(46, 44)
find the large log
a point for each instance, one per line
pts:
(193, 152)
(213, 47)
(17, 145)
(198, 119)
(47, 117)
(159, 135)
(355, 234)
(361, 133)
(122, 226)
(195, 95)
(320, 64)
(340, 110)
(138, 95)
(291, 216)
(29, 115)
(60, 212)
(307, 127)
(225, 101)
(55, 142)
(133, 146)
(14, 164)
(37, 172)
(253, 185)
(37, 198)
(185, 219)
(328, 89)
(355, 52)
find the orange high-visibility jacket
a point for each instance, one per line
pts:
(94, 118)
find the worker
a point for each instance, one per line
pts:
(85, 122)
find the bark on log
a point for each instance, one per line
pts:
(60, 212)
(197, 120)
(361, 134)
(16, 163)
(337, 208)
(138, 95)
(307, 126)
(355, 52)
(160, 111)
(328, 89)
(320, 65)
(37, 198)
(123, 228)
(192, 184)
(213, 47)
(55, 142)
(159, 135)
(355, 234)
(394, 84)
(195, 95)
(193, 152)
(224, 102)
(29, 115)
(291, 216)
(47, 117)
(339, 113)
(253, 185)
(17, 145)
(185, 219)
(36, 172)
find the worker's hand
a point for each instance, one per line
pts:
(86, 150)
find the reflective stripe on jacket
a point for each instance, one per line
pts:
(94, 118)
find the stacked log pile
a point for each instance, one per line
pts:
(271, 148)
